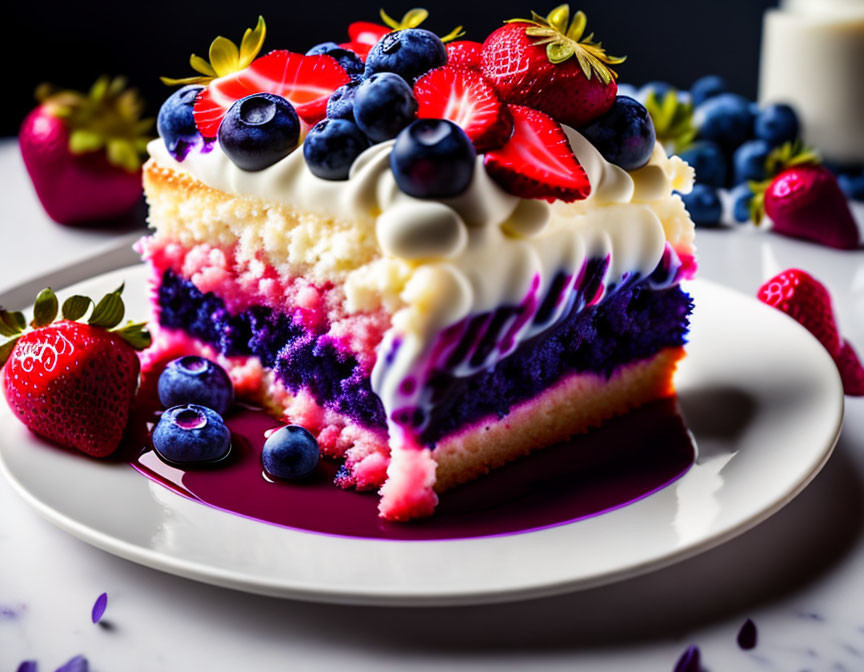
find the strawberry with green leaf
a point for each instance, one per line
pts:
(69, 381)
(84, 151)
(803, 199)
(549, 64)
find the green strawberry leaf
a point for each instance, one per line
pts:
(75, 307)
(6, 350)
(109, 312)
(136, 335)
(45, 308)
(11, 323)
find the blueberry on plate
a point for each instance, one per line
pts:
(408, 53)
(176, 123)
(331, 147)
(852, 185)
(707, 87)
(741, 197)
(383, 105)
(195, 380)
(340, 105)
(349, 61)
(290, 453)
(259, 130)
(433, 158)
(624, 135)
(749, 161)
(704, 206)
(776, 124)
(726, 119)
(191, 434)
(709, 162)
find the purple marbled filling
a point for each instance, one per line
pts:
(633, 322)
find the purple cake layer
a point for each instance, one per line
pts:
(633, 322)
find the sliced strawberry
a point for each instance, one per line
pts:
(538, 161)
(360, 48)
(367, 32)
(466, 99)
(464, 54)
(306, 81)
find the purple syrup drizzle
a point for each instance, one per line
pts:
(690, 660)
(190, 418)
(747, 635)
(627, 459)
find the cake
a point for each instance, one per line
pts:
(484, 282)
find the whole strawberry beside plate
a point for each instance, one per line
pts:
(550, 65)
(72, 382)
(84, 151)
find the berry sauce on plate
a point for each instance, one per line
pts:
(627, 459)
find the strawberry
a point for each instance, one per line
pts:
(83, 151)
(305, 81)
(464, 54)
(561, 73)
(465, 98)
(806, 300)
(537, 161)
(366, 32)
(72, 383)
(803, 199)
(360, 48)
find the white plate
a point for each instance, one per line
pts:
(761, 396)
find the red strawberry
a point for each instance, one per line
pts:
(806, 300)
(464, 54)
(74, 383)
(805, 201)
(360, 48)
(538, 161)
(306, 81)
(466, 99)
(367, 32)
(544, 64)
(83, 152)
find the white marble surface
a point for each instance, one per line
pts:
(799, 576)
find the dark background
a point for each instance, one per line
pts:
(71, 43)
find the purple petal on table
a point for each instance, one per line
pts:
(690, 660)
(747, 635)
(28, 666)
(99, 607)
(76, 664)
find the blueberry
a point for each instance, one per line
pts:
(703, 204)
(433, 158)
(176, 124)
(189, 434)
(259, 130)
(659, 89)
(725, 119)
(852, 185)
(749, 161)
(708, 161)
(776, 124)
(340, 105)
(383, 105)
(741, 195)
(624, 135)
(290, 453)
(349, 61)
(707, 87)
(331, 147)
(195, 380)
(409, 53)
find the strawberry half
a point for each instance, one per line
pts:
(305, 81)
(360, 48)
(466, 99)
(807, 301)
(70, 382)
(537, 161)
(464, 54)
(544, 64)
(366, 32)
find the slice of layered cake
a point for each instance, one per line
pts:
(437, 259)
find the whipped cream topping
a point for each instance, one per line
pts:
(475, 253)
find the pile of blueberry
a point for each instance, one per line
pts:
(197, 394)
(733, 138)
